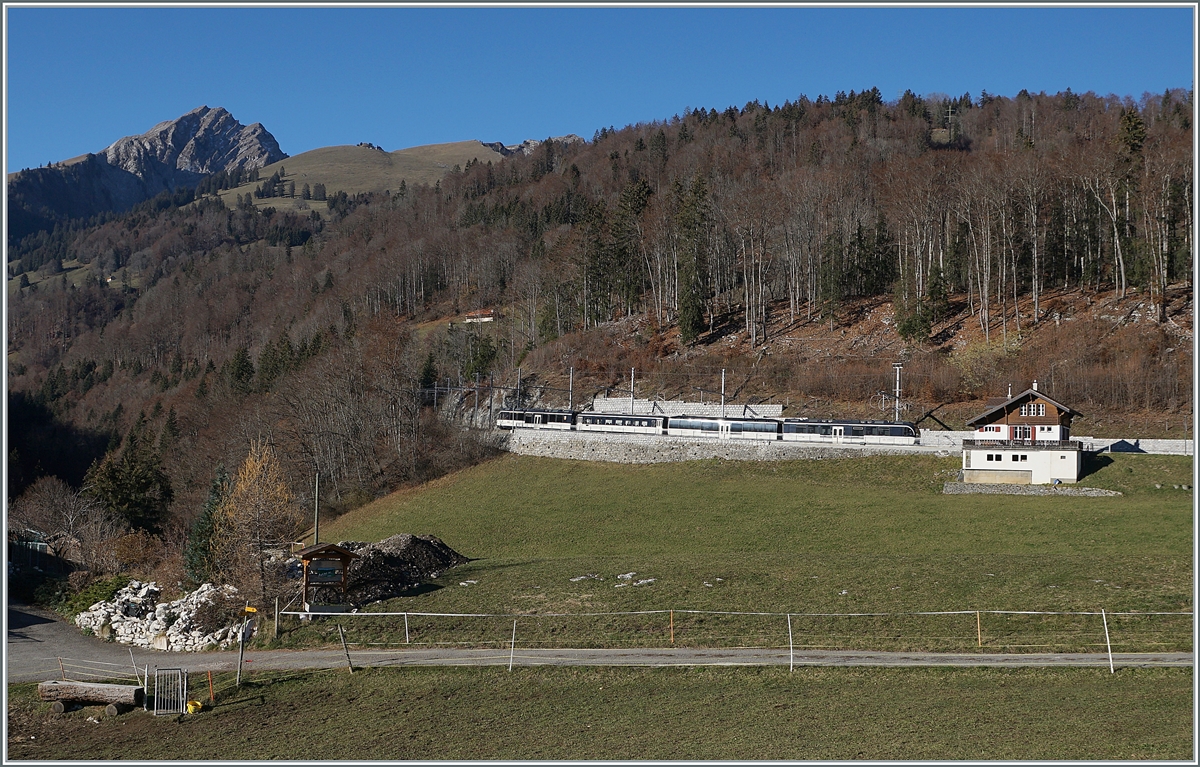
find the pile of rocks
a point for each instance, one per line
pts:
(135, 616)
(392, 566)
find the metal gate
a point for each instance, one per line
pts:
(170, 691)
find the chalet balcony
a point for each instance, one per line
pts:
(1025, 444)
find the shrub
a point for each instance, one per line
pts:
(100, 590)
(217, 613)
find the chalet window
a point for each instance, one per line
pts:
(1024, 457)
(1033, 409)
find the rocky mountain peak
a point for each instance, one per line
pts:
(205, 140)
(527, 146)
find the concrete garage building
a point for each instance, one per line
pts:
(1022, 440)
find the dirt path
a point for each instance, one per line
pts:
(36, 640)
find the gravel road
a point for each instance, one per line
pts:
(37, 639)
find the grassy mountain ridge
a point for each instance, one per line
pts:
(358, 169)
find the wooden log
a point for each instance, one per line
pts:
(58, 707)
(116, 709)
(90, 692)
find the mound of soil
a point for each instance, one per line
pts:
(392, 566)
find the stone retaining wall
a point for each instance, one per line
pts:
(953, 440)
(1152, 446)
(639, 448)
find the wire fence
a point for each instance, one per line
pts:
(82, 670)
(933, 631)
(365, 635)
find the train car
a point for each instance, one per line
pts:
(848, 431)
(620, 422)
(723, 428)
(563, 420)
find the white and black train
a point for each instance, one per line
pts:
(833, 431)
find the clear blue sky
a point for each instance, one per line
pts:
(80, 78)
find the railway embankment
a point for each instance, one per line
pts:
(640, 448)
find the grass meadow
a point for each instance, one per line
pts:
(873, 539)
(838, 536)
(354, 169)
(663, 714)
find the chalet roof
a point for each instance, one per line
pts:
(999, 404)
(326, 549)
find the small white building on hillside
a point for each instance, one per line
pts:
(1023, 440)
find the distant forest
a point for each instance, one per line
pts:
(229, 324)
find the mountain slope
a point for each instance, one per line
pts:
(367, 168)
(173, 154)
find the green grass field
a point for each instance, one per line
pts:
(839, 536)
(803, 537)
(689, 714)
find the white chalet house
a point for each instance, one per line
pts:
(1023, 440)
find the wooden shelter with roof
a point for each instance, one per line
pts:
(326, 566)
(1023, 439)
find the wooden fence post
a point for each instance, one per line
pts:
(342, 634)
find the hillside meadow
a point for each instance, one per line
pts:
(866, 535)
(549, 540)
(356, 169)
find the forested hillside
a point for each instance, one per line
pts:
(803, 247)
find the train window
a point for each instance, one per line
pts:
(856, 431)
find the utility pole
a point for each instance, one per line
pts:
(571, 389)
(898, 367)
(722, 392)
(631, 391)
